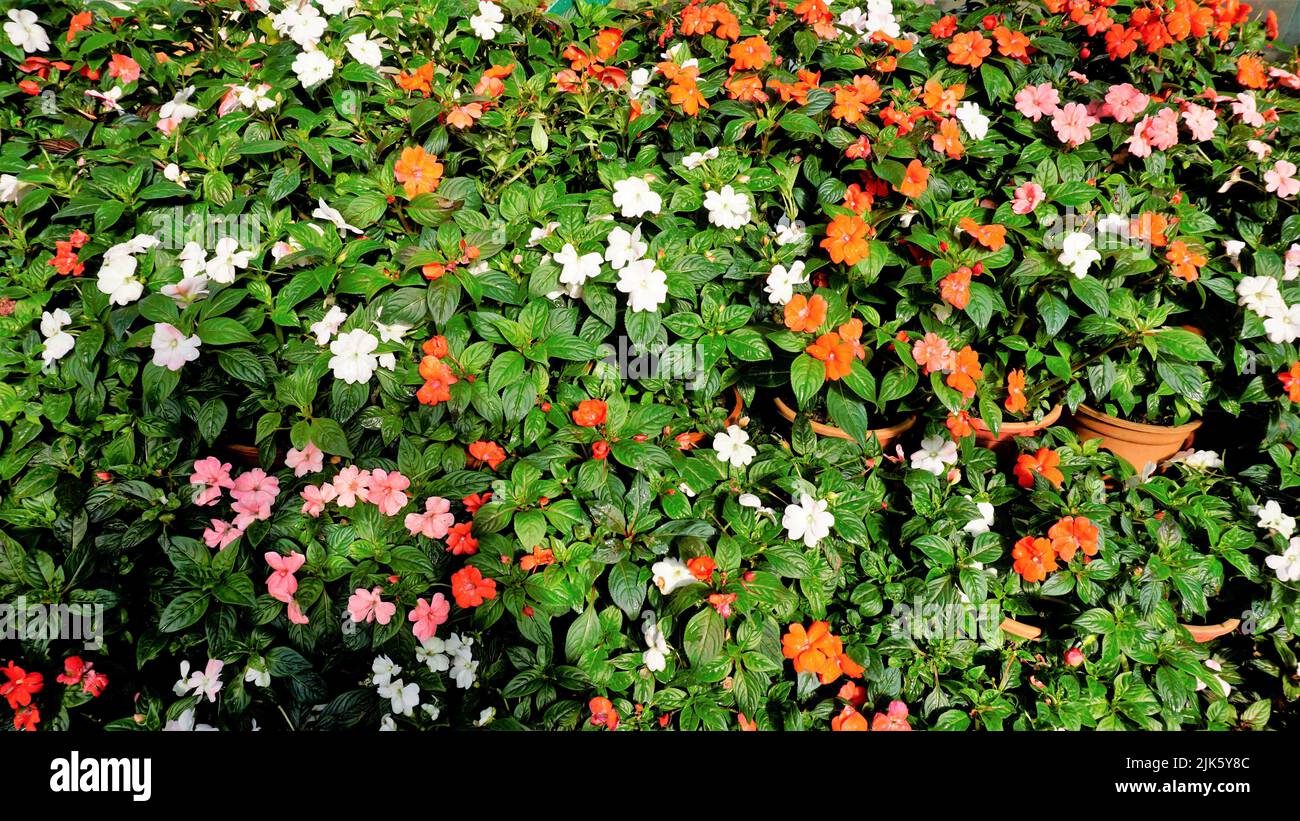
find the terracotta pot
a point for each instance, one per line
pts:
(1202, 633)
(1134, 442)
(1020, 629)
(1010, 430)
(885, 435)
(246, 455)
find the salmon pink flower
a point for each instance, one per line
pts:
(315, 498)
(308, 460)
(1124, 103)
(1280, 179)
(1027, 198)
(893, 720)
(210, 476)
(220, 534)
(427, 616)
(434, 522)
(367, 605)
(282, 584)
(352, 485)
(1036, 102)
(1073, 124)
(933, 354)
(1200, 121)
(387, 491)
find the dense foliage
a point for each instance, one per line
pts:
(420, 363)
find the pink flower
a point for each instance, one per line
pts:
(352, 484)
(1038, 101)
(211, 475)
(1138, 145)
(427, 616)
(1028, 197)
(933, 353)
(1244, 107)
(368, 606)
(254, 490)
(1281, 179)
(386, 491)
(1072, 124)
(1162, 131)
(434, 522)
(221, 534)
(315, 498)
(1200, 121)
(281, 584)
(1285, 78)
(1259, 149)
(1124, 103)
(295, 613)
(894, 720)
(308, 460)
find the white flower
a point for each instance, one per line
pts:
(313, 68)
(171, 348)
(388, 361)
(975, 123)
(645, 285)
(789, 231)
(432, 653)
(189, 289)
(538, 234)
(1283, 325)
(1271, 517)
(387, 724)
(11, 190)
(364, 50)
(1287, 565)
(226, 261)
(1077, 253)
(194, 260)
(184, 723)
(672, 574)
(638, 81)
(206, 683)
(332, 216)
(117, 273)
(1233, 248)
(58, 342)
(1291, 262)
(256, 672)
(781, 282)
(574, 269)
(178, 108)
(1198, 459)
(489, 21)
(464, 670)
(935, 455)
(732, 447)
(25, 32)
(255, 97)
(333, 7)
(402, 698)
(623, 246)
(329, 325)
(1111, 225)
(391, 333)
(354, 359)
(687, 490)
(301, 23)
(697, 158)
(727, 208)
(382, 670)
(752, 501)
(985, 520)
(485, 717)
(1260, 295)
(634, 197)
(656, 655)
(809, 520)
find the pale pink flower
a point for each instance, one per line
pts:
(1138, 145)
(1200, 121)
(1285, 78)
(434, 522)
(220, 534)
(1125, 103)
(1036, 102)
(308, 460)
(1028, 197)
(1259, 149)
(315, 498)
(386, 491)
(932, 353)
(1244, 107)
(295, 613)
(352, 484)
(255, 488)
(1281, 179)
(211, 475)
(1072, 124)
(366, 605)
(282, 584)
(428, 615)
(172, 348)
(1162, 130)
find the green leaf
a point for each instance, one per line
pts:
(704, 637)
(223, 331)
(183, 610)
(806, 377)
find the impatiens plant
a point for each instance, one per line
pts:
(701, 365)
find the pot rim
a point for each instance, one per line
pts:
(1018, 427)
(788, 413)
(1136, 427)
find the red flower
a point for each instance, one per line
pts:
(21, 686)
(489, 452)
(590, 413)
(701, 567)
(603, 713)
(27, 719)
(474, 501)
(470, 588)
(459, 540)
(600, 450)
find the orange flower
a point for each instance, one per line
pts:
(834, 353)
(539, 558)
(1250, 72)
(851, 333)
(817, 14)
(1012, 44)
(489, 452)
(79, 22)
(944, 27)
(797, 91)
(746, 88)
(955, 288)
(942, 100)
(966, 371)
(436, 346)
(804, 315)
(1044, 463)
(603, 713)
(491, 83)
(1034, 558)
(701, 567)
(463, 116)
(1074, 533)
(1291, 382)
(846, 239)
(728, 24)
(420, 80)
(817, 651)
(849, 720)
(857, 199)
(947, 139)
(682, 88)
(607, 43)
(752, 53)
(1151, 227)
(916, 180)
(1016, 401)
(1187, 263)
(969, 49)
(851, 101)
(438, 381)
(418, 171)
(959, 426)
(590, 413)
(992, 237)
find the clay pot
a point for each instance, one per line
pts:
(1020, 629)
(1134, 442)
(1010, 430)
(1202, 633)
(245, 455)
(885, 435)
